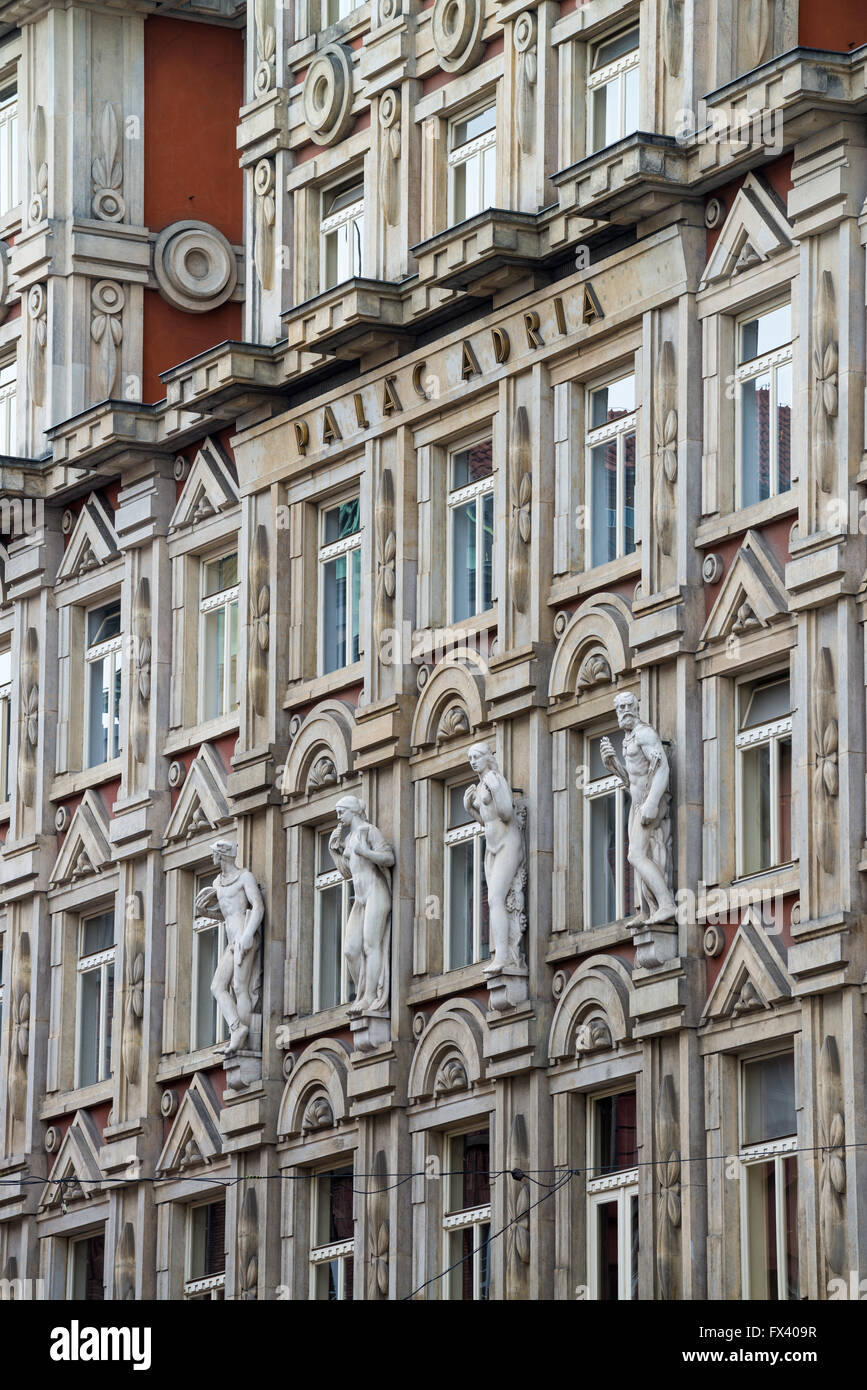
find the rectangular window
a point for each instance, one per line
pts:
(764, 404)
(339, 585)
(333, 10)
(611, 426)
(5, 721)
(332, 983)
(613, 89)
(332, 1236)
(8, 149)
(102, 664)
(8, 399)
(341, 234)
(769, 1185)
(467, 1216)
(466, 934)
(218, 636)
(472, 164)
(609, 883)
(206, 1253)
(764, 753)
(95, 1007)
(612, 1197)
(85, 1269)
(471, 531)
(209, 944)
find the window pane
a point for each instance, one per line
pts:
(214, 663)
(88, 1027)
(232, 657)
(219, 574)
(615, 48)
(459, 175)
(784, 799)
(762, 1230)
(324, 862)
(463, 561)
(342, 521)
(784, 427)
(489, 177)
(207, 1240)
(355, 611)
(334, 614)
(602, 868)
(479, 124)
(103, 623)
(330, 904)
(470, 465)
(762, 704)
(97, 933)
(608, 1271)
(88, 1265)
(457, 812)
(628, 494)
(109, 1015)
(790, 1204)
(469, 1159)
(756, 808)
(755, 439)
(609, 402)
(603, 468)
(630, 101)
(334, 1206)
(765, 333)
(205, 945)
(633, 1216)
(769, 1099)
(336, 199)
(461, 900)
(114, 712)
(486, 594)
(616, 1133)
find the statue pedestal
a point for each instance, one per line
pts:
(655, 945)
(508, 988)
(242, 1068)
(370, 1031)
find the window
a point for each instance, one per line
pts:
(613, 89)
(764, 753)
(611, 469)
(764, 404)
(332, 983)
(769, 1180)
(218, 641)
(341, 234)
(332, 10)
(471, 530)
(85, 1268)
(8, 383)
(612, 1197)
(332, 1236)
(95, 998)
(608, 876)
(209, 943)
(339, 585)
(206, 1253)
(5, 721)
(102, 661)
(466, 895)
(467, 1217)
(472, 164)
(8, 149)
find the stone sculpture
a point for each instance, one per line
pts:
(492, 804)
(645, 776)
(363, 855)
(235, 893)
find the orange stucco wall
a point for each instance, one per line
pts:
(194, 86)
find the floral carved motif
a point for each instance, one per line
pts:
(826, 773)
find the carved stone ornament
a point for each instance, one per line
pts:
(593, 1036)
(665, 442)
(265, 75)
(235, 895)
(455, 721)
(595, 669)
(124, 1265)
(29, 736)
(524, 37)
(364, 857)
(378, 1236)
(260, 609)
(521, 498)
(456, 30)
(826, 774)
(672, 36)
(668, 1206)
(327, 94)
(389, 164)
(177, 773)
(491, 802)
(4, 279)
(644, 774)
(37, 313)
(832, 1158)
(825, 363)
(712, 569)
(195, 266)
(168, 1103)
(518, 1201)
(265, 219)
(754, 28)
(107, 300)
(323, 773)
(106, 171)
(318, 1115)
(714, 212)
(386, 555)
(134, 969)
(713, 942)
(38, 158)
(452, 1076)
(248, 1245)
(748, 1000)
(140, 700)
(19, 1035)
(746, 620)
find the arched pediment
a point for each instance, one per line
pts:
(600, 627)
(320, 1074)
(455, 1033)
(599, 988)
(454, 684)
(324, 738)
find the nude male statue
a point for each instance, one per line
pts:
(645, 776)
(362, 854)
(236, 895)
(490, 802)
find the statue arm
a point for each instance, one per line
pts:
(471, 804)
(502, 794)
(653, 750)
(613, 763)
(206, 899)
(379, 851)
(256, 912)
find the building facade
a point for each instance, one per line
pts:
(376, 382)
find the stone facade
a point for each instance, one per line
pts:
(515, 366)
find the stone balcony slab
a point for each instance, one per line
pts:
(483, 253)
(355, 317)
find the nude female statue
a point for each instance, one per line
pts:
(362, 854)
(236, 895)
(490, 802)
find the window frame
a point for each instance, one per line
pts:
(334, 879)
(336, 1251)
(457, 156)
(213, 924)
(79, 1238)
(600, 434)
(225, 599)
(215, 1284)
(767, 364)
(6, 731)
(325, 554)
(452, 836)
(330, 224)
(752, 1155)
(477, 1219)
(9, 403)
(606, 75)
(771, 733)
(86, 965)
(10, 177)
(457, 497)
(620, 1186)
(94, 654)
(595, 790)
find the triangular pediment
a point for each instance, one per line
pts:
(752, 595)
(210, 487)
(75, 1173)
(755, 230)
(754, 976)
(86, 848)
(201, 805)
(194, 1139)
(93, 541)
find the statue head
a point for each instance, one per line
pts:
(224, 852)
(627, 709)
(481, 758)
(350, 808)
